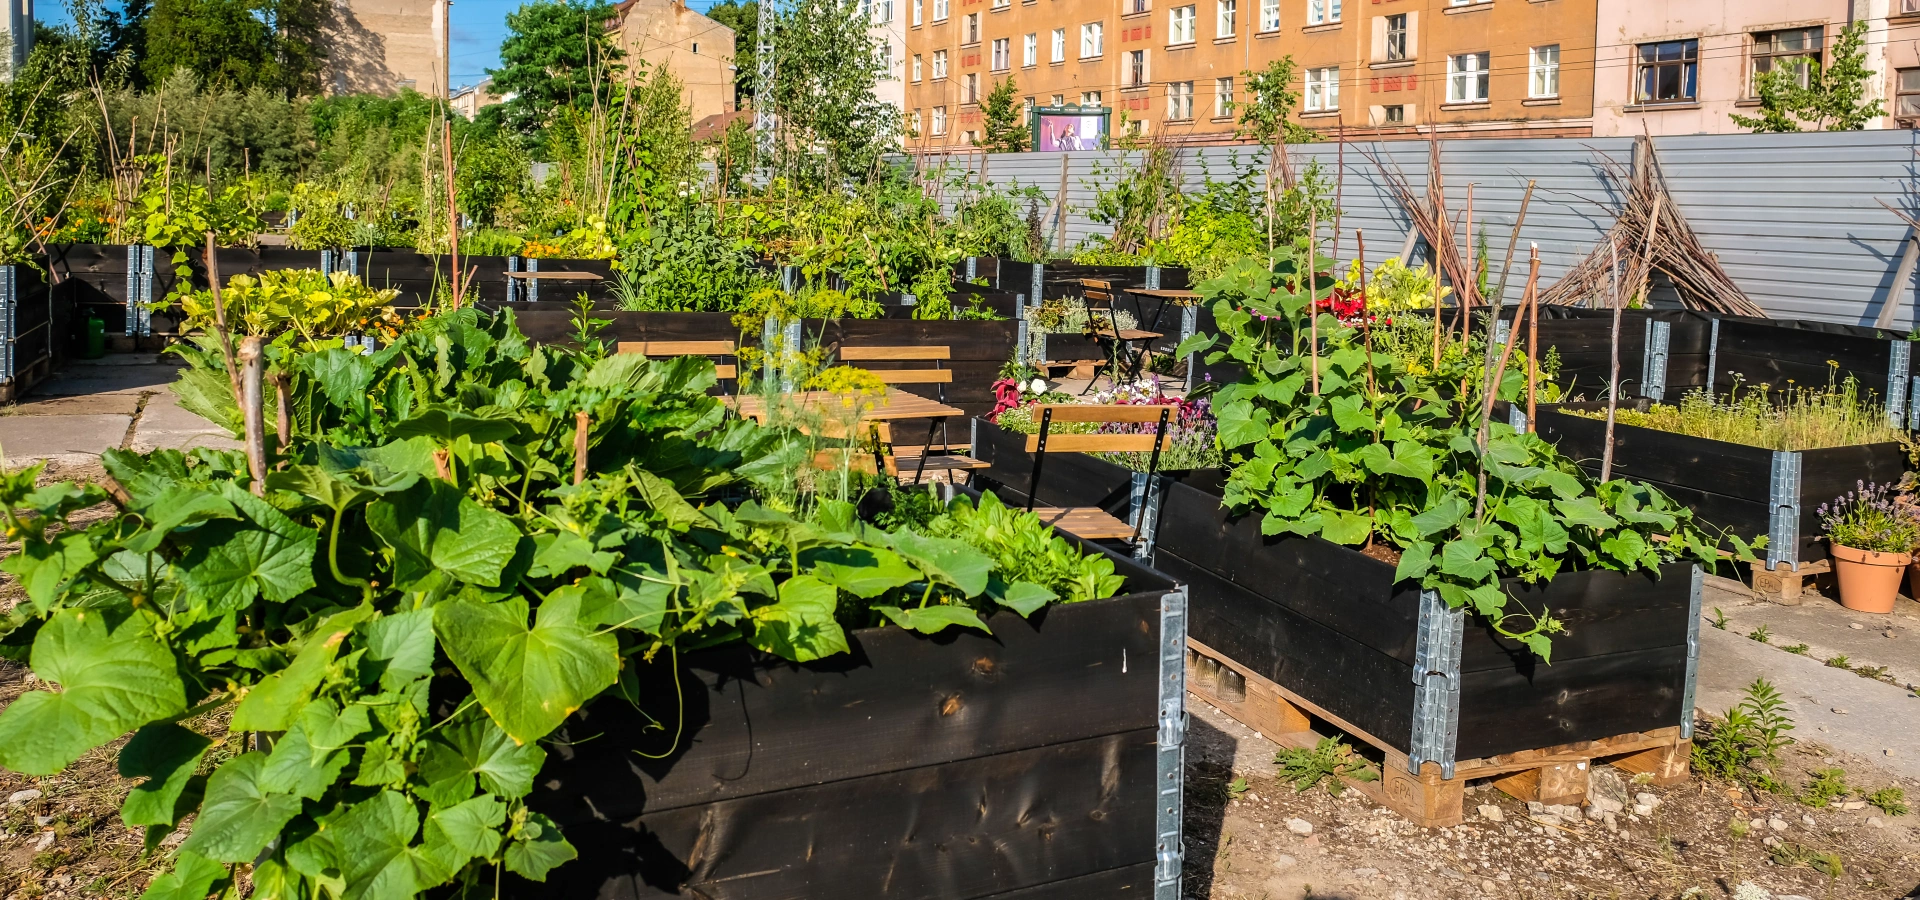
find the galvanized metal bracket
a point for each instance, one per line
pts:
(533, 284)
(1913, 403)
(1500, 329)
(1436, 678)
(1039, 284)
(140, 275)
(1170, 757)
(790, 352)
(1783, 525)
(1713, 354)
(326, 262)
(1699, 578)
(1516, 417)
(1153, 278)
(973, 268)
(1149, 523)
(1189, 324)
(513, 284)
(1036, 347)
(1899, 364)
(1653, 367)
(10, 320)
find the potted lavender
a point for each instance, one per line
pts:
(1872, 540)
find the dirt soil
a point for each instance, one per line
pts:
(1271, 842)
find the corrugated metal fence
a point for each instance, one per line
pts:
(1794, 218)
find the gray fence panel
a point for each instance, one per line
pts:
(1795, 218)
(1573, 201)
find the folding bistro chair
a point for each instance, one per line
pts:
(1091, 522)
(718, 350)
(1100, 296)
(925, 458)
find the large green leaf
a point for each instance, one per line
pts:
(45, 569)
(470, 747)
(471, 829)
(308, 759)
(272, 704)
(239, 815)
(111, 682)
(435, 531)
(528, 679)
(368, 846)
(193, 877)
(230, 564)
(537, 848)
(166, 755)
(800, 627)
(1585, 511)
(447, 425)
(948, 561)
(861, 571)
(399, 647)
(933, 619)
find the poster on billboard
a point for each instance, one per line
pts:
(1069, 128)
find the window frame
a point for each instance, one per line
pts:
(1397, 38)
(1816, 52)
(970, 88)
(970, 30)
(1269, 16)
(1538, 64)
(1182, 24)
(1059, 46)
(1180, 100)
(942, 10)
(939, 121)
(1223, 96)
(1099, 99)
(918, 12)
(1226, 13)
(1093, 34)
(1029, 49)
(1900, 91)
(918, 69)
(1133, 69)
(1322, 90)
(1479, 76)
(1001, 59)
(1323, 12)
(1687, 64)
(1387, 114)
(939, 65)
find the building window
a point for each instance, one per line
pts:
(970, 29)
(1543, 68)
(916, 12)
(1797, 49)
(971, 137)
(1059, 45)
(1002, 54)
(1180, 25)
(1397, 37)
(1223, 24)
(1323, 89)
(939, 64)
(1002, 4)
(696, 48)
(1089, 98)
(886, 56)
(1180, 100)
(939, 120)
(916, 68)
(1269, 15)
(1092, 40)
(940, 10)
(1135, 70)
(1222, 97)
(883, 11)
(1029, 49)
(1467, 77)
(1027, 107)
(1323, 12)
(1393, 115)
(1906, 92)
(973, 87)
(1467, 2)
(1138, 6)
(1667, 72)
(1059, 100)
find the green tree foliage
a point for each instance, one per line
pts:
(1004, 120)
(744, 19)
(238, 44)
(556, 55)
(1802, 95)
(1267, 117)
(832, 125)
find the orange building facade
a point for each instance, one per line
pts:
(1370, 68)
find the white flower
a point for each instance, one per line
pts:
(1039, 386)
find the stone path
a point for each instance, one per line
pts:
(121, 401)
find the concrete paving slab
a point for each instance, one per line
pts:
(1866, 719)
(1829, 629)
(67, 439)
(117, 373)
(119, 403)
(164, 424)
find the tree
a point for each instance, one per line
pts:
(1800, 94)
(1004, 124)
(744, 19)
(556, 54)
(1268, 119)
(237, 44)
(832, 126)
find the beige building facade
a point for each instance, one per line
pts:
(697, 50)
(383, 46)
(1385, 68)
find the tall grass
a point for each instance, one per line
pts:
(1798, 418)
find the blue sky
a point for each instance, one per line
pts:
(478, 28)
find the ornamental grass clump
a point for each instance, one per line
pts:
(1871, 518)
(1797, 418)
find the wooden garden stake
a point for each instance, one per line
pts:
(1613, 382)
(582, 423)
(1472, 285)
(220, 320)
(1533, 334)
(282, 403)
(252, 409)
(1493, 389)
(453, 210)
(1313, 301)
(1366, 313)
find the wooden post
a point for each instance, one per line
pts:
(1493, 391)
(1366, 314)
(1313, 298)
(283, 409)
(1060, 214)
(252, 404)
(582, 423)
(1613, 382)
(1513, 243)
(453, 209)
(1533, 340)
(220, 320)
(1472, 285)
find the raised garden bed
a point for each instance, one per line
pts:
(1029, 763)
(1753, 491)
(36, 329)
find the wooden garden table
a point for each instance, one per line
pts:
(889, 407)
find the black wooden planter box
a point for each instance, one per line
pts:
(1024, 764)
(1751, 490)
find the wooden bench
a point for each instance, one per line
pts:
(727, 371)
(936, 374)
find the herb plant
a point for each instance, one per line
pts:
(1343, 442)
(1867, 518)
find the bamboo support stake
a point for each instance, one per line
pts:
(453, 209)
(1646, 252)
(1533, 336)
(1471, 283)
(1366, 314)
(1313, 299)
(220, 320)
(1493, 391)
(1613, 379)
(282, 409)
(582, 423)
(1513, 244)
(252, 410)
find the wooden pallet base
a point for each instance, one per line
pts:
(1553, 775)
(1785, 582)
(15, 389)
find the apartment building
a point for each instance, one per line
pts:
(889, 31)
(666, 34)
(384, 46)
(1380, 68)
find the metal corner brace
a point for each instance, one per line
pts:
(1150, 520)
(1653, 368)
(1699, 578)
(1899, 364)
(1170, 753)
(1783, 524)
(1436, 679)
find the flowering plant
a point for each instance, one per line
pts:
(1867, 518)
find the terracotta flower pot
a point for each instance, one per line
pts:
(1868, 581)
